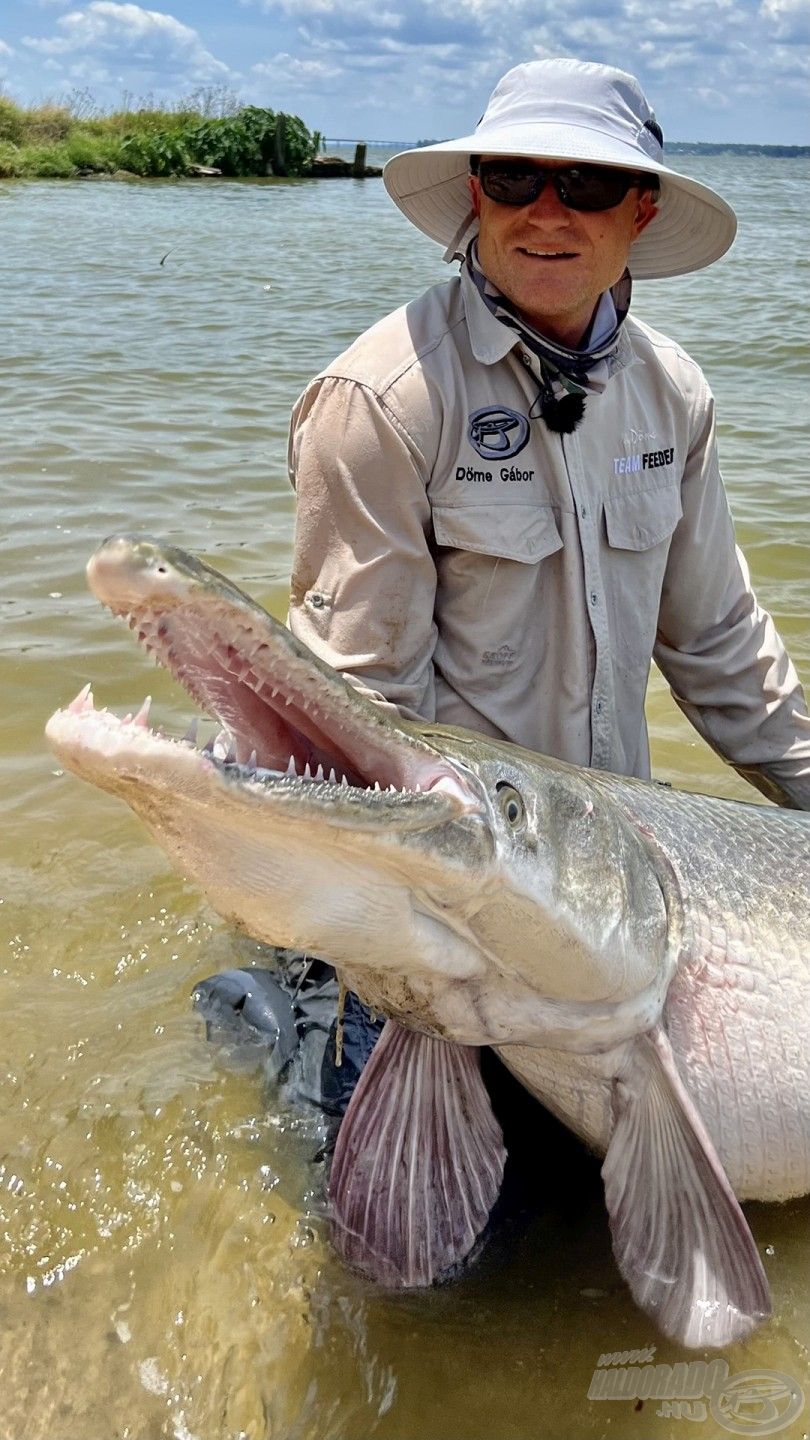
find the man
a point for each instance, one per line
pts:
(509, 498)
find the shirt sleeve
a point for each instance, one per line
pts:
(363, 578)
(720, 651)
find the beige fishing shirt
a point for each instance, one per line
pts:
(458, 559)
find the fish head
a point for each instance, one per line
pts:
(575, 899)
(323, 821)
(316, 812)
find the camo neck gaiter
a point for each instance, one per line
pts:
(567, 376)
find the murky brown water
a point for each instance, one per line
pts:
(164, 1268)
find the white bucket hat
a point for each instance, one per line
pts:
(566, 110)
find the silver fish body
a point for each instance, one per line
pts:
(639, 957)
(737, 1008)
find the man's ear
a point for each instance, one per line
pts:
(646, 210)
(475, 194)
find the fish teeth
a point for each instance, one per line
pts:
(142, 717)
(307, 772)
(332, 778)
(291, 771)
(221, 746)
(319, 775)
(190, 737)
(83, 701)
(253, 761)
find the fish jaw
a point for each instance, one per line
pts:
(272, 695)
(292, 860)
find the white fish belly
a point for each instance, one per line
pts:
(740, 1033)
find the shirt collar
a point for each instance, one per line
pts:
(491, 341)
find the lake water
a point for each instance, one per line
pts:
(164, 1268)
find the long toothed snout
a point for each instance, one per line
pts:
(286, 718)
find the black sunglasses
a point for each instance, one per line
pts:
(579, 187)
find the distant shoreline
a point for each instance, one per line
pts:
(674, 147)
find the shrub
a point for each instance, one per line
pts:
(90, 151)
(49, 162)
(57, 140)
(237, 145)
(47, 124)
(160, 154)
(12, 124)
(300, 145)
(10, 163)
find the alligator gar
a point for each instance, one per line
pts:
(639, 957)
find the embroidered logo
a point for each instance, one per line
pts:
(504, 655)
(497, 433)
(631, 438)
(650, 460)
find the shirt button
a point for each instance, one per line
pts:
(583, 512)
(594, 598)
(527, 359)
(598, 707)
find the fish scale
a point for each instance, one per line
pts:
(728, 998)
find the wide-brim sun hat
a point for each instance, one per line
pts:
(567, 110)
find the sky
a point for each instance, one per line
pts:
(721, 70)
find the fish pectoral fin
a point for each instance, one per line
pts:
(418, 1162)
(680, 1238)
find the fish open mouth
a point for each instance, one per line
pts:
(288, 720)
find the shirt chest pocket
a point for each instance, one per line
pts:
(526, 533)
(642, 520)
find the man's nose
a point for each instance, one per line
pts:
(548, 205)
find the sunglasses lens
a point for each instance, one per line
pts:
(511, 184)
(592, 188)
(580, 187)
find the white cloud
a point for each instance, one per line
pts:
(127, 35)
(5, 49)
(714, 99)
(290, 70)
(342, 10)
(713, 69)
(791, 18)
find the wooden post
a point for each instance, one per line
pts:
(359, 166)
(279, 161)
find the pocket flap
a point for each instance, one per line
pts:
(644, 519)
(515, 532)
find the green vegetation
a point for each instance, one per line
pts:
(211, 128)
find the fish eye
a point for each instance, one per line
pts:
(510, 804)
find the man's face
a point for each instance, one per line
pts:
(551, 262)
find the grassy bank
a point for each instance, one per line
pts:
(65, 140)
